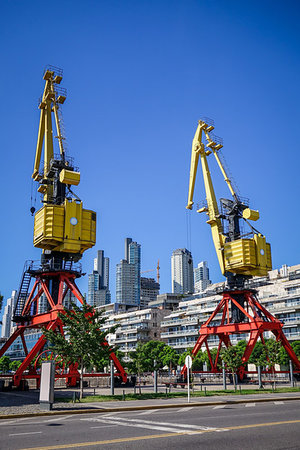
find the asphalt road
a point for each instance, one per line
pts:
(270, 425)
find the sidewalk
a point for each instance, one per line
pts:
(20, 404)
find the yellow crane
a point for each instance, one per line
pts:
(240, 255)
(153, 270)
(62, 227)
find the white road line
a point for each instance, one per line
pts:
(112, 414)
(22, 434)
(19, 419)
(104, 426)
(148, 412)
(278, 403)
(8, 422)
(185, 409)
(145, 425)
(249, 405)
(219, 406)
(194, 427)
(56, 419)
(163, 426)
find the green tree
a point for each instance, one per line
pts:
(213, 354)
(273, 355)
(241, 346)
(284, 357)
(182, 356)
(14, 365)
(84, 342)
(135, 365)
(152, 354)
(169, 357)
(296, 348)
(198, 360)
(4, 364)
(232, 357)
(258, 355)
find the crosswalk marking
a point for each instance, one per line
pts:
(148, 412)
(185, 409)
(149, 424)
(278, 403)
(249, 405)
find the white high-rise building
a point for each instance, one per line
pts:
(8, 314)
(182, 271)
(201, 277)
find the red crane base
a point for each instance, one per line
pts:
(50, 321)
(241, 313)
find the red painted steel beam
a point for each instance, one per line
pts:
(33, 352)
(8, 343)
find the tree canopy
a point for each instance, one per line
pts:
(151, 356)
(84, 341)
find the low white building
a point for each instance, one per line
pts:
(133, 326)
(279, 293)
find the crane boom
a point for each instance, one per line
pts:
(238, 254)
(62, 226)
(212, 209)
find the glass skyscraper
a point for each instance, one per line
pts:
(98, 281)
(128, 275)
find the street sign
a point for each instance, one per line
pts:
(188, 362)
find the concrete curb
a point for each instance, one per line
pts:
(98, 410)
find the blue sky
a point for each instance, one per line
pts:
(139, 75)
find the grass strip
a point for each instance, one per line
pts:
(163, 395)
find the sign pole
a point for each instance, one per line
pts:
(188, 383)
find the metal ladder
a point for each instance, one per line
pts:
(22, 294)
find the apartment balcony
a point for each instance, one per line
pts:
(137, 337)
(125, 339)
(180, 333)
(183, 344)
(179, 322)
(291, 336)
(126, 349)
(133, 320)
(134, 329)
